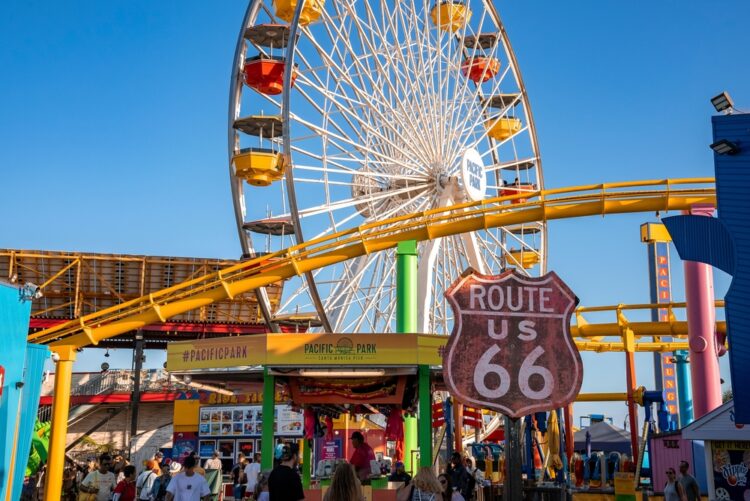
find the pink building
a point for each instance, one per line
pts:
(667, 450)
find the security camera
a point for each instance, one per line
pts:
(55, 357)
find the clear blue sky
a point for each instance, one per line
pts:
(113, 127)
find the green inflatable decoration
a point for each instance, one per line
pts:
(39, 446)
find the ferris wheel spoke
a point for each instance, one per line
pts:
(383, 281)
(378, 68)
(339, 300)
(376, 109)
(343, 139)
(339, 128)
(352, 201)
(366, 125)
(369, 94)
(476, 131)
(349, 171)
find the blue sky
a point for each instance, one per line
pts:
(113, 128)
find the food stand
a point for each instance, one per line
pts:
(280, 387)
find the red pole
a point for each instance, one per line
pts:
(632, 409)
(569, 445)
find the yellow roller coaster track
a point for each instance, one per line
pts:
(580, 201)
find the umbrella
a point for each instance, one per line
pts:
(552, 454)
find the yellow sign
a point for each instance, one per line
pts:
(306, 350)
(234, 351)
(624, 486)
(341, 349)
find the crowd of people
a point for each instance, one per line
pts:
(458, 483)
(114, 479)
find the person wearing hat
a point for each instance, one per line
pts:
(284, 483)
(399, 474)
(159, 490)
(361, 456)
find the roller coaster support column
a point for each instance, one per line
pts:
(60, 410)
(629, 339)
(683, 382)
(406, 321)
(701, 317)
(269, 405)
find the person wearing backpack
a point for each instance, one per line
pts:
(145, 481)
(159, 491)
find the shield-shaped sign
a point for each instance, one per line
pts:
(511, 348)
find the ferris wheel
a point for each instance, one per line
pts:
(346, 112)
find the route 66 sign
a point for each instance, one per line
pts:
(511, 348)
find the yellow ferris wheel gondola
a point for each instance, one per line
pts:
(310, 11)
(450, 16)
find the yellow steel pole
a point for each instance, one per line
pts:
(60, 409)
(601, 397)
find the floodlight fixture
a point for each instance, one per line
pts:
(725, 147)
(722, 102)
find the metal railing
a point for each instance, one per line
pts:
(119, 381)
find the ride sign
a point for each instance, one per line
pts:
(511, 348)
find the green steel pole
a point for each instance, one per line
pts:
(307, 464)
(406, 286)
(406, 321)
(269, 405)
(425, 417)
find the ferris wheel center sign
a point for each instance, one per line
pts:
(511, 348)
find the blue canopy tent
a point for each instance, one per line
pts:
(604, 437)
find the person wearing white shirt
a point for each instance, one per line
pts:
(101, 481)
(251, 472)
(188, 486)
(214, 463)
(145, 481)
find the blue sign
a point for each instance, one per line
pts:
(724, 242)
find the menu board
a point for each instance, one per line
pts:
(731, 462)
(247, 421)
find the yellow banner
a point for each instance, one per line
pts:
(234, 351)
(306, 350)
(341, 349)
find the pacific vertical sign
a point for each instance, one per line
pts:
(663, 288)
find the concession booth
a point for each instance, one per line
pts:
(314, 390)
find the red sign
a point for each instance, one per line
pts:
(511, 349)
(2, 379)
